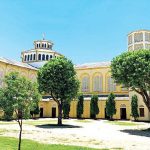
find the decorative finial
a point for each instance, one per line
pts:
(43, 36)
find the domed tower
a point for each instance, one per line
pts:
(139, 39)
(41, 53)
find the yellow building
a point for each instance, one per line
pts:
(95, 78)
(7, 66)
(139, 39)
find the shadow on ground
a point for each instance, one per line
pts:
(53, 126)
(138, 132)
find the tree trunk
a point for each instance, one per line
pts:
(146, 100)
(146, 97)
(111, 118)
(20, 134)
(59, 114)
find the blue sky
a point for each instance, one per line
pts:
(82, 30)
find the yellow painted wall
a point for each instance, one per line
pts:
(47, 107)
(73, 108)
(86, 109)
(1, 113)
(104, 72)
(7, 68)
(140, 103)
(118, 106)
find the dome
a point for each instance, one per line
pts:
(41, 53)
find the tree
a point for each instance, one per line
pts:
(20, 95)
(94, 110)
(132, 69)
(6, 104)
(35, 110)
(80, 106)
(110, 106)
(66, 109)
(134, 107)
(58, 79)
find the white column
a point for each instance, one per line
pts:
(133, 41)
(144, 40)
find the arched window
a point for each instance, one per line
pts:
(51, 56)
(25, 58)
(31, 57)
(34, 57)
(48, 46)
(45, 45)
(111, 85)
(47, 57)
(42, 45)
(39, 57)
(85, 84)
(97, 84)
(28, 57)
(43, 57)
(37, 45)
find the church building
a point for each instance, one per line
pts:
(95, 78)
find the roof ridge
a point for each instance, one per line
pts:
(16, 63)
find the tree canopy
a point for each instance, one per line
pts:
(94, 109)
(80, 106)
(19, 95)
(58, 79)
(111, 106)
(134, 107)
(66, 109)
(132, 70)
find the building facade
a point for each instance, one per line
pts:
(95, 78)
(139, 39)
(7, 66)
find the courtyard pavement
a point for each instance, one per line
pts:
(89, 133)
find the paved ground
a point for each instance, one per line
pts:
(91, 133)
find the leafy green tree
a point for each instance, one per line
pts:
(35, 110)
(58, 79)
(6, 104)
(110, 106)
(20, 95)
(80, 106)
(94, 110)
(134, 107)
(132, 69)
(66, 109)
